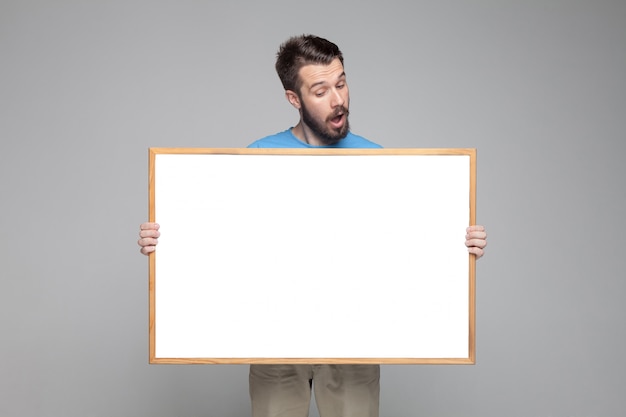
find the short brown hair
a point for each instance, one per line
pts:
(299, 51)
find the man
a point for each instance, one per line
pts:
(312, 73)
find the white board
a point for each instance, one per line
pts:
(312, 256)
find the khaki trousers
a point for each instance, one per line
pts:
(340, 390)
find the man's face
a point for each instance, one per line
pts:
(325, 101)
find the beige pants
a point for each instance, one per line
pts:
(340, 390)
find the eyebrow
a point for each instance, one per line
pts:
(342, 75)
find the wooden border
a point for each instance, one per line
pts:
(471, 359)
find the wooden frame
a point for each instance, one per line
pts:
(312, 256)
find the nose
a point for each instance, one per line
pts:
(338, 99)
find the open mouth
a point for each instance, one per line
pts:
(337, 120)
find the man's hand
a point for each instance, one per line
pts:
(476, 240)
(148, 237)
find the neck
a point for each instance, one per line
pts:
(306, 135)
(303, 133)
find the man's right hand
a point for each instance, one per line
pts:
(148, 237)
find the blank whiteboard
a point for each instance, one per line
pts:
(312, 256)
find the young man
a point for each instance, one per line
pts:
(312, 73)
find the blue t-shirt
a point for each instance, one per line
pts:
(287, 139)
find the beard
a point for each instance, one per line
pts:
(328, 136)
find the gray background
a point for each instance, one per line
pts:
(539, 87)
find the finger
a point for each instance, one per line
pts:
(147, 241)
(475, 228)
(147, 250)
(476, 243)
(151, 233)
(476, 251)
(149, 226)
(476, 235)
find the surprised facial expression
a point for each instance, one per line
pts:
(325, 101)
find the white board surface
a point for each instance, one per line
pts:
(314, 257)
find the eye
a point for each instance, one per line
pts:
(340, 86)
(320, 93)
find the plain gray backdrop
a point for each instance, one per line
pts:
(537, 86)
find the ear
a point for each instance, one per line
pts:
(293, 98)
